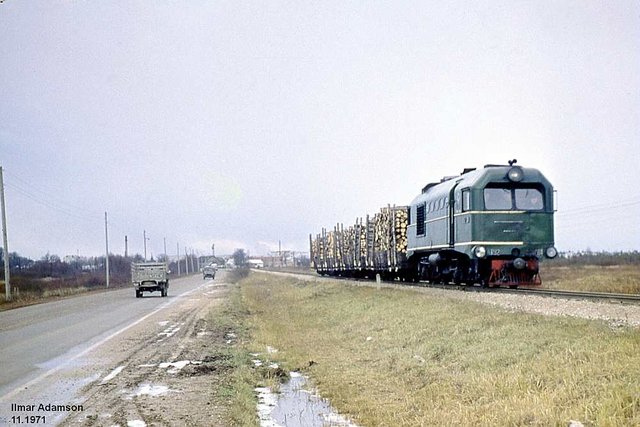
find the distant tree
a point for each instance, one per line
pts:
(119, 267)
(239, 258)
(603, 258)
(303, 261)
(17, 262)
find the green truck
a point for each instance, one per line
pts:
(150, 277)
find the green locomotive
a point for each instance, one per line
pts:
(489, 226)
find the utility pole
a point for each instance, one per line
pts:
(144, 234)
(178, 252)
(7, 269)
(106, 240)
(166, 258)
(126, 246)
(186, 260)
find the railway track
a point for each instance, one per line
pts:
(604, 296)
(551, 293)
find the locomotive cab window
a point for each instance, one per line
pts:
(466, 200)
(503, 198)
(528, 199)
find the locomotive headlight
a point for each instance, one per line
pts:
(519, 263)
(479, 251)
(551, 252)
(515, 174)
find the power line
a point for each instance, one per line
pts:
(48, 204)
(599, 207)
(47, 199)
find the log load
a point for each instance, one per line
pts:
(377, 243)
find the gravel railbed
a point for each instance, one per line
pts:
(615, 313)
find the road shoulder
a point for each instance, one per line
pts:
(163, 371)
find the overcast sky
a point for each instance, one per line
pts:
(248, 123)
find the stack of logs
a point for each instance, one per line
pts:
(390, 229)
(370, 242)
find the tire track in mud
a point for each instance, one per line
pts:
(157, 374)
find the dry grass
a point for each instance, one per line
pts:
(25, 298)
(397, 357)
(617, 279)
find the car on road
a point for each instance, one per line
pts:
(209, 271)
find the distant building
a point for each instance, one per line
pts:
(255, 263)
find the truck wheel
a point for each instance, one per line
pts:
(138, 294)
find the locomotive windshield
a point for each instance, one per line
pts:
(502, 198)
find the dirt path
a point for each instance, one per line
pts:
(161, 372)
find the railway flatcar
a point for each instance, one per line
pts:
(488, 226)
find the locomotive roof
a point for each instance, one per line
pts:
(478, 178)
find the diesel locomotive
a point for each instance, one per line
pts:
(488, 226)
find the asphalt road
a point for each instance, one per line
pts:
(38, 339)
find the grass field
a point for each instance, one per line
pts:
(396, 357)
(616, 278)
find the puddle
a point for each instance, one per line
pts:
(296, 407)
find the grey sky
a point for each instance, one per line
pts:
(245, 123)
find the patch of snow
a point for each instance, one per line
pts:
(112, 375)
(151, 390)
(177, 366)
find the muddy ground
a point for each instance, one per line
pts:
(165, 371)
